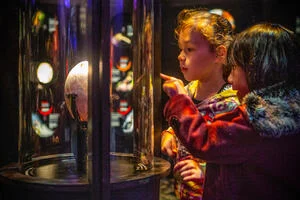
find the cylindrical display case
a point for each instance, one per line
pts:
(85, 102)
(53, 73)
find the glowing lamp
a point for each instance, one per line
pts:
(44, 72)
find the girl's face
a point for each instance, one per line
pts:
(196, 58)
(238, 80)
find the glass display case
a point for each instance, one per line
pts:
(86, 103)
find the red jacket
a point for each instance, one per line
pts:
(253, 151)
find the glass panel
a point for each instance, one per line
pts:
(122, 78)
(132, 128)
(53, 95)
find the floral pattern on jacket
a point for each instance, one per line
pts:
(223, 101)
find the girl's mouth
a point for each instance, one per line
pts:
(183, 69)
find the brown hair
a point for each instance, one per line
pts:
(216, 29)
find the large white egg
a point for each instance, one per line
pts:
(77, 83)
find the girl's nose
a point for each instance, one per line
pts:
(181, 56)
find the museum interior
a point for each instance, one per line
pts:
(81, 96)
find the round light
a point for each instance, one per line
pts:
(44, 72)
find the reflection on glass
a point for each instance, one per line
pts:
(143, 94)
(121, 34)
(44, 72)
(53, 37)
(132, 128)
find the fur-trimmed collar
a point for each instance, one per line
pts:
(274, 111)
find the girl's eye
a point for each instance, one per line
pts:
(189, 49)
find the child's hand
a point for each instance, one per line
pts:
(172, 86)
(168, 143)
(189, 170)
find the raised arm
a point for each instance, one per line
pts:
(228, 139)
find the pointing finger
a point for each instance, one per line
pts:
(166, 77)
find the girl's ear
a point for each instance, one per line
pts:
(221, 52)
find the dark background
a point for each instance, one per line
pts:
(9, 82)
(245, 12)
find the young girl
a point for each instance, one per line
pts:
(255, 148)
(203, 39)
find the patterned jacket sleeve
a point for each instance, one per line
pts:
(227, 139)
